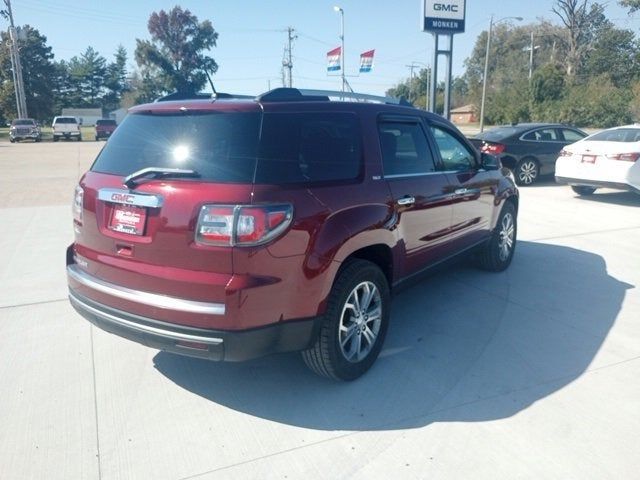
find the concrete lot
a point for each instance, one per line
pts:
(533, 373)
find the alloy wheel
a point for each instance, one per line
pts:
(360, 322)
(507, 232)
(527, 172)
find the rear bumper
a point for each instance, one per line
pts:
(66, 134)
(198, 342)
(596, 184)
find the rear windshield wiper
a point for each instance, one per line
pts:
(149, 173)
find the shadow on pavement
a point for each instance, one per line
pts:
(464, 345)
(628, 199)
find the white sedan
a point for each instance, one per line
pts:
(608, 159)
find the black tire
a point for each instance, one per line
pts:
(79, 139)
(496, 254)
(97, 138)
(583, 190)
(527, 171)
(38, 139)
(12, 140)
(55, 139)
(327, 357)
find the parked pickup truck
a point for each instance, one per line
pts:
(23, 128)
(104, 128)
(67, 128)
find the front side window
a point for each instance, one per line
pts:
(454, 154)
(405, 150)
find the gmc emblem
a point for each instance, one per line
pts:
(122, 198)
(444, 7)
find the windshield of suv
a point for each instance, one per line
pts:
(230, 147)
(23, 122)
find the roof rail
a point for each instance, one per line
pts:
(202, 96)
(306, 95)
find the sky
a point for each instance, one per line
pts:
(252, 35)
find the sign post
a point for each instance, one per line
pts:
(442, 17)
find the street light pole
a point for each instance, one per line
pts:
(486, 66)
(339, 9)
(484, 77)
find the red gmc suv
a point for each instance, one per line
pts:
(230, 228)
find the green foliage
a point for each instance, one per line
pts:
(632, 5)
(587, 83)
(37, 72)
(597, 103)
(510, 105)
(175, 58)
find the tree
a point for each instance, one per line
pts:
(632, 5)
(87, 76)
(613, 52)
(582, 21)
(115, 80)
(176, 50)
(37, 72)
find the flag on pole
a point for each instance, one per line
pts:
(333, 59)
(366, 61)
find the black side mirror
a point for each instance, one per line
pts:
(490, 162)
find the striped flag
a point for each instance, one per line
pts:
(366, 61)
(333, 59)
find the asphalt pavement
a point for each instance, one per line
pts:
(532, 373)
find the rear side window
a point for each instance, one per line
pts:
(571, 135)
(544, 135)
(221, 147)
(308, 147)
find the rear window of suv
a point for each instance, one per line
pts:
(105, 122)
(274, 148)
(65, 120)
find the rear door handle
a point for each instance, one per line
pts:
(408, 200)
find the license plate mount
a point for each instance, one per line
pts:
(128, 219)
(589, 158)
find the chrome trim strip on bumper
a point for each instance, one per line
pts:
(143, 328)
(146, 298)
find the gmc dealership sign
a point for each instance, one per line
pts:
(443, 16)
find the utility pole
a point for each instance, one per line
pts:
(531, 48)
(411, 67)
(21, 102)
(341, 12)
(288, 60)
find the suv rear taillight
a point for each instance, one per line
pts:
(246, 225)
(78, 200)
(492, 148)
(626, 157)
